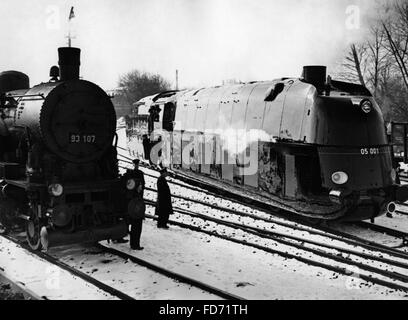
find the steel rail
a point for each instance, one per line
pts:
(171, 274)
(19, 288)
(392, 232)
(100, 285)
(284, 214)
(402, 204)
(383, 229)
(340, 270)
(327, 233)
(280, 237)
(117, 293)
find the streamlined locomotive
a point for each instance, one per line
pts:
(58, 161)
(319, 146)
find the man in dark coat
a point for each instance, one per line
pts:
(136, 211)
(146, 147)
(163, 205)
(138, 177)
(136, 206)
(135, 184)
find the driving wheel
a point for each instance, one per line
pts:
(33, 229)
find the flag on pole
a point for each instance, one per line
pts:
(71, 14)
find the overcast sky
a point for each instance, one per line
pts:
(206, 40)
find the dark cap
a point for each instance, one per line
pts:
(136, 161)
(163, 170)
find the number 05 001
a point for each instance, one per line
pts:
(371, 151)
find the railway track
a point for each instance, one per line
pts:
(341, 236)
(309, 246)
(100, 285)
(278, 235)
(311, 228)
(127, 257)
(403, 177)
(254, 204)
(402, 205)
(168, 273)
(386, 230)
(258, 230)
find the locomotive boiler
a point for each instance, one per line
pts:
(316, 146)
(58, 166)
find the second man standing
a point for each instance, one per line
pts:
(164, 207)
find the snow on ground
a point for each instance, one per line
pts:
(40, 277)
(283, 230)
(9, 291)
(222, 203)
(367, 234)
(242, 270)
(404, 167)
(401, 221)
(397, 222)
(122, 140)
(245, 271)
(136, 281)
(303, 251)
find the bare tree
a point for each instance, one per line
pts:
(396, 30)
(353, 66)
(357, 57)
(380, 62)
(365, 62)
(136, 85)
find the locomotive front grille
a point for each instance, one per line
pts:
(87, 197)
(99, 196)
(75, 198)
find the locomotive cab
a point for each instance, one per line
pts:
(162, 112)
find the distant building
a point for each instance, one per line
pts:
(122, 106)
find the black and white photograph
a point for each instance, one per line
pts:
(203, 154)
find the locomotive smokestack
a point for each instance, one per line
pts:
(69, 62)
(315, 75)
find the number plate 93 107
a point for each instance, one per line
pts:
(82, 138)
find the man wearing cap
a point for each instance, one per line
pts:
(146, 147)
(135, 185)
(163, 205)
(138, 176)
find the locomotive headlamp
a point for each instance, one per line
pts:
(55, 189)
(366, 106)
(339, 177)
(393, 175)
(131, 184)
(61, 215)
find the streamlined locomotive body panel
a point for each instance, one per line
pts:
(320, 148)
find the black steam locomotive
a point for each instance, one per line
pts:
(319, 146)
(58, 161)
